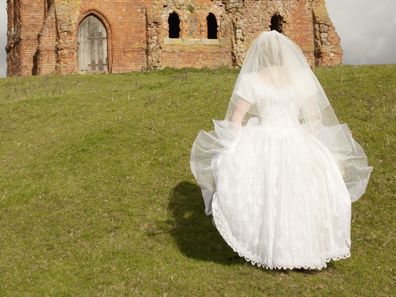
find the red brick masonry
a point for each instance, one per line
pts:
(42, 34)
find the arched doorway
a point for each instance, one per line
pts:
(92, 45)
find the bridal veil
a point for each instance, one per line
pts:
(280, 63)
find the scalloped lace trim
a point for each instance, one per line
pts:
(254, 259)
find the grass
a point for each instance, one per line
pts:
(97, 198)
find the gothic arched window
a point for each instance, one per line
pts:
(174, 25)
(277, 22)
(212, 26)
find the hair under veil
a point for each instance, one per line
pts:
(278, 63)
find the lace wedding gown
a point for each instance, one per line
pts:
(280, 172)
(279, 199)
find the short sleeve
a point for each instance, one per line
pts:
(245, 88)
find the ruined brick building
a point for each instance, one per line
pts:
(69, 36)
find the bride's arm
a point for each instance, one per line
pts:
(240, 111)
(242, 98)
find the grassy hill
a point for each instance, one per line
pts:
(97, 198)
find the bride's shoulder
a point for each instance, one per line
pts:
(248, 80)
(246, 87)
(248, 76)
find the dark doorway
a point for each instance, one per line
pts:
(174, 25)
(92, 45)
(277, 23)
(212, 26)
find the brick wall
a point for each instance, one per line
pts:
(27, 17)
(13, 48)
(42, 34)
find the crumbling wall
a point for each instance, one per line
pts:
(13, 48)
(25, 19)
(42, 34)
(46, 55)
(193, 48)
(327, 44)
(250, 17)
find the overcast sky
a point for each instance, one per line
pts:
(3, 37)
(367, 29)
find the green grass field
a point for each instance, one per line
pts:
(97, 198)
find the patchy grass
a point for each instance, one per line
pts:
(97, 198)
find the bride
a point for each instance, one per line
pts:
(279, 173)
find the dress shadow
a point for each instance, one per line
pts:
(195, 234)
(192, 229)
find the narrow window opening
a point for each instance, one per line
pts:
(47, 6)
(15, 17)
(212, 26)
(277, 23)
(174, 25)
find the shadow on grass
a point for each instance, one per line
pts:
(192, 229)
(197, 237)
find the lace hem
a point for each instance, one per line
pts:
(218, 222)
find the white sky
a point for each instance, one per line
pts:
(3, 36)
(367, 29)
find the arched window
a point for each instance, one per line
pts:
(174, 25)
(277, 22)
(211, 24)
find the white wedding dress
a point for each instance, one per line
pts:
(280, 191)
(280, 200)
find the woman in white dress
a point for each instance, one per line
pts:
(280, 172)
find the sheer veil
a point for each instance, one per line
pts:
(279, 63)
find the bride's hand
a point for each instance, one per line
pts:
(237, 127)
